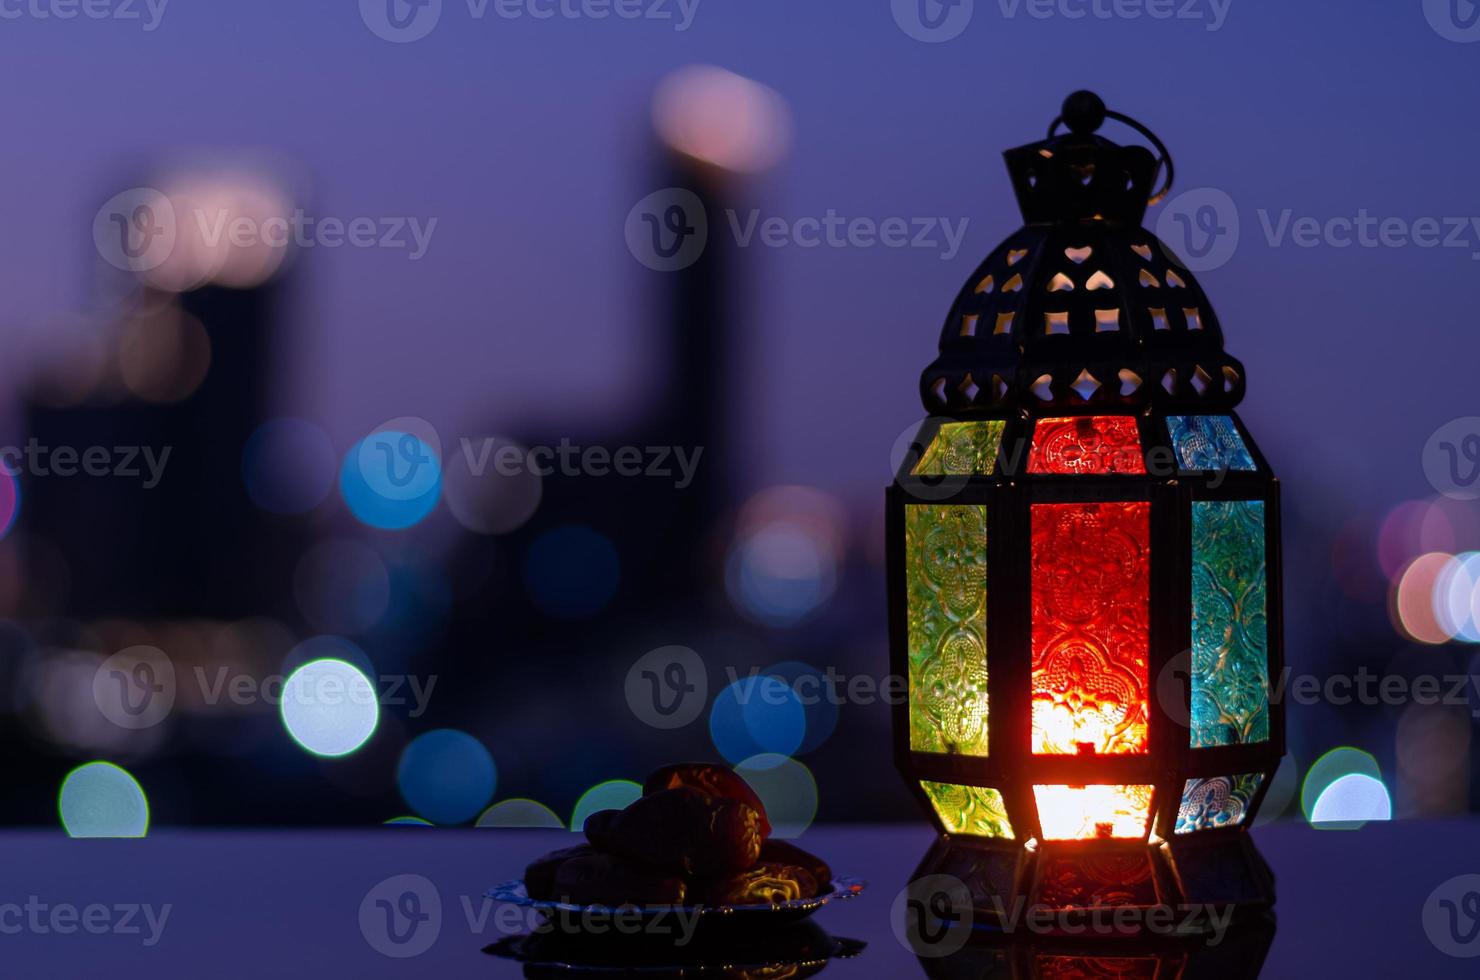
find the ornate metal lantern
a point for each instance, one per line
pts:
(1084, 561)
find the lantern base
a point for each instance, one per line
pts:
(1193, 886)
(1238, 954)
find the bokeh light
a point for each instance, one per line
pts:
(522, 814)
(342, 586)
(496, 490)
(10, 501)
(787, 790)
(373, 488)
(408, 822)
(782, 566)
(163, 355)
(1341, 761)
(572, 572)
(446, 776)
(1454, 594)
(757, 715)
(1410, 529)
(288, 466)
(614, 794)
(1433, 753)
(99, 799)
(818, 697)
(329, 707)
(1351, 801)
(722, 118)
(1413, 599)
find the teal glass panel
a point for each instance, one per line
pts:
(1217, 801)
(1208, 442)
(1230, 637)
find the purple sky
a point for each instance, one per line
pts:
(526, 140)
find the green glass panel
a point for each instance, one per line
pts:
(946, 580)
(1230, 646)
(974, 810)
(962, 449)
(1217, 801)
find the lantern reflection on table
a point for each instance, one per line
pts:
(1084, 561)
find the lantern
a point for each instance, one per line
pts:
(1084, 561)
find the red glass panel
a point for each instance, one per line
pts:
(1060, 967)
(1087, 444)
(1091, 584)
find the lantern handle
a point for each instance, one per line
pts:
(1084, 111)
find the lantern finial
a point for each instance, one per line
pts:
(1083, 112)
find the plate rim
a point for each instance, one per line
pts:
(514, 892)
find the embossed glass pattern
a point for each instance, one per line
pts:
(974, 810)
(1208, 442)
(1230, 648)
(1087, 444)
(1059, 967)
(1091, 625)
(962, 449)
(946, 580)
(1090, 812)
(1217, 801)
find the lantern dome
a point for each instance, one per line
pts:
(1082, 309)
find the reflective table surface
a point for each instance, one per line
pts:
(1388, 900)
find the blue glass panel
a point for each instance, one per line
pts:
(1208, 442)
(1217, 801)
(1230, 644)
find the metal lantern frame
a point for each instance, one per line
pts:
(1051, 349)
